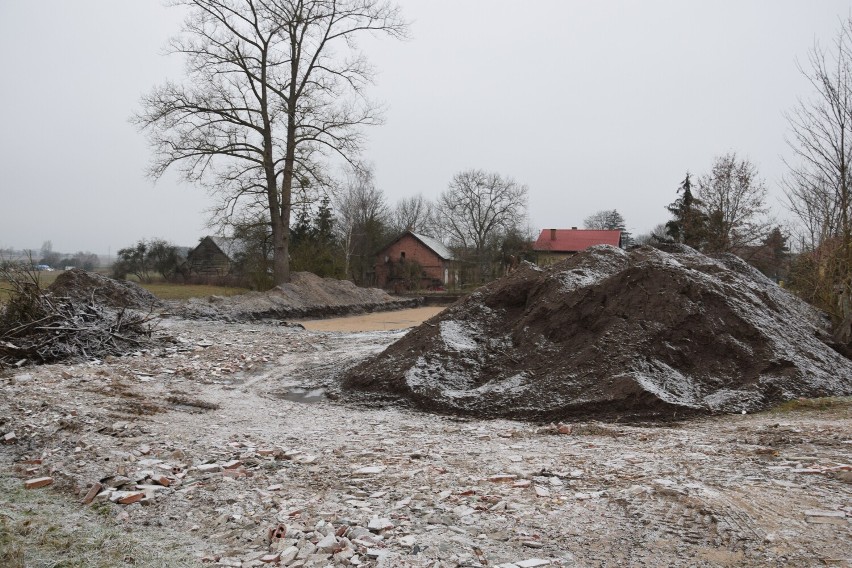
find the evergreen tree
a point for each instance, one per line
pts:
(689, 224)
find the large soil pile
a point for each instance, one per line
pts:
(639, 333)
(82, 286)
(306, 296)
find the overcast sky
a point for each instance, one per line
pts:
(592, 104)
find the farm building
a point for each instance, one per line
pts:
(414, 261)
(554, 245)
(215, 256)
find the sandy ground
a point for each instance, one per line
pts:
(380, 321)
(254, 463)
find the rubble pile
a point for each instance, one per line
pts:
(637, 333)
(305, 296)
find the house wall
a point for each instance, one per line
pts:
(433, 266)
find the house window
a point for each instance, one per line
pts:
(402, 256)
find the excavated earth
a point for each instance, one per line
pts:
(644, 333)
(306, 296)
(82, 287)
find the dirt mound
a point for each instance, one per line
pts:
(639, 333)
(306, 296)
(82, 286)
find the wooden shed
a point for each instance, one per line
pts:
(215, 256)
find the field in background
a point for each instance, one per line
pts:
(163, 290)
(173, 291)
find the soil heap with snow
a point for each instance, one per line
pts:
(644, 333)
(305, 296)
(82, 286)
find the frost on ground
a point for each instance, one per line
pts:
(219, 464)
(632, 334)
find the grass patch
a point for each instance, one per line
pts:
(45, 279)
(826, 403)
(42, 527)
(175, 291)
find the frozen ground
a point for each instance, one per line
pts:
(259, 467)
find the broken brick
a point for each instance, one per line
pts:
(37, 482)
(92, 493)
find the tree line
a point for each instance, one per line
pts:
(276, 93)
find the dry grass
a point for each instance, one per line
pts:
(826, 403)
(174, 291)
(43, 528)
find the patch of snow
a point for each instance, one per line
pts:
(456, 337)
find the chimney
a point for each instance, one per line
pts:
(552, 234)
(573, 228)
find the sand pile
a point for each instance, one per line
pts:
(639, 333)
(306, 296)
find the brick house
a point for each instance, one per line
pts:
(414, 261)
(554, 245)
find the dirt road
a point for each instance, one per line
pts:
(240, 460)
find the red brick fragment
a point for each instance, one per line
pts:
(37, 482)
(161, 480)
(132, 497)
(93, 492)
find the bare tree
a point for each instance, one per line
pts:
(362, 222)
(479, 207)
(658, 234)
(819, 185)
(733, 199)
(609, 220)
(413, 214)
(274, 88)
(606, 220)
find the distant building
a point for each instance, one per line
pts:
(554, 245)
(414, 261)
(215, 256)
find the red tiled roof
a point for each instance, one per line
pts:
(574, 240)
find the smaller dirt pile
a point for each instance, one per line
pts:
(306, 296)
(639, 333)
(80, 316)
(81, 286)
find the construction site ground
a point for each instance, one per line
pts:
(233, 446)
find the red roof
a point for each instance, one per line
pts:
(574, 240)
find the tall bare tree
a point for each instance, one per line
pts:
(819, 188)
(733, 198)
(819, 185)
(478, 207)
(274, 88)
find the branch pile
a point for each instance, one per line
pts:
(38, 327)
